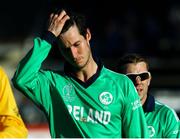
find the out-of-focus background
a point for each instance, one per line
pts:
(149, 28)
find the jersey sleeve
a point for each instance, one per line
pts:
(11, 123)
(134, 122)
(29, 78)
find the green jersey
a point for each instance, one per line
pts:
(106, 106)
(179, 130)
(162, 120)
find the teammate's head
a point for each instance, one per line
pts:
(136, 68)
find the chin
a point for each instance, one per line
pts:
(79, 66)
(140, 96)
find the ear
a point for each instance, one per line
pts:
(88, 35)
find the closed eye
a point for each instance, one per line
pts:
(77, 44)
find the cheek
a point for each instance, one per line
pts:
(146, 84)
(87, 49)
(82, 50)
(85, 45)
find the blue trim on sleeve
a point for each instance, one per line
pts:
(49, 37)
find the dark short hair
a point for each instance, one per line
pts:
(130, 58)
(76, 19)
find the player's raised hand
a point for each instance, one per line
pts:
(57, 21)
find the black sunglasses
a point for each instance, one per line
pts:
(143, 76)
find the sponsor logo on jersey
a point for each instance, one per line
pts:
(89, 115)
(151, 131)
(68, 93)
(136, 104)
(106, 98)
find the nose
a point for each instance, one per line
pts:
(138, 80)
(73, 52)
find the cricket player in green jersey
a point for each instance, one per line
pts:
(85, 100)
(162, 120)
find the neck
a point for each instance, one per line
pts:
(88, 71)
(143, 100)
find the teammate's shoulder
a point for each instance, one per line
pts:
(163, 107)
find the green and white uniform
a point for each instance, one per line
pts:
(106, 106)
(162, 120)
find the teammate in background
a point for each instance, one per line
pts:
(162, 120)
(86, 100)
(11, 124)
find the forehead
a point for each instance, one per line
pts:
(71, 36)
(136, 67)
(71, 32)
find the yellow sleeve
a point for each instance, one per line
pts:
(11, 123)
